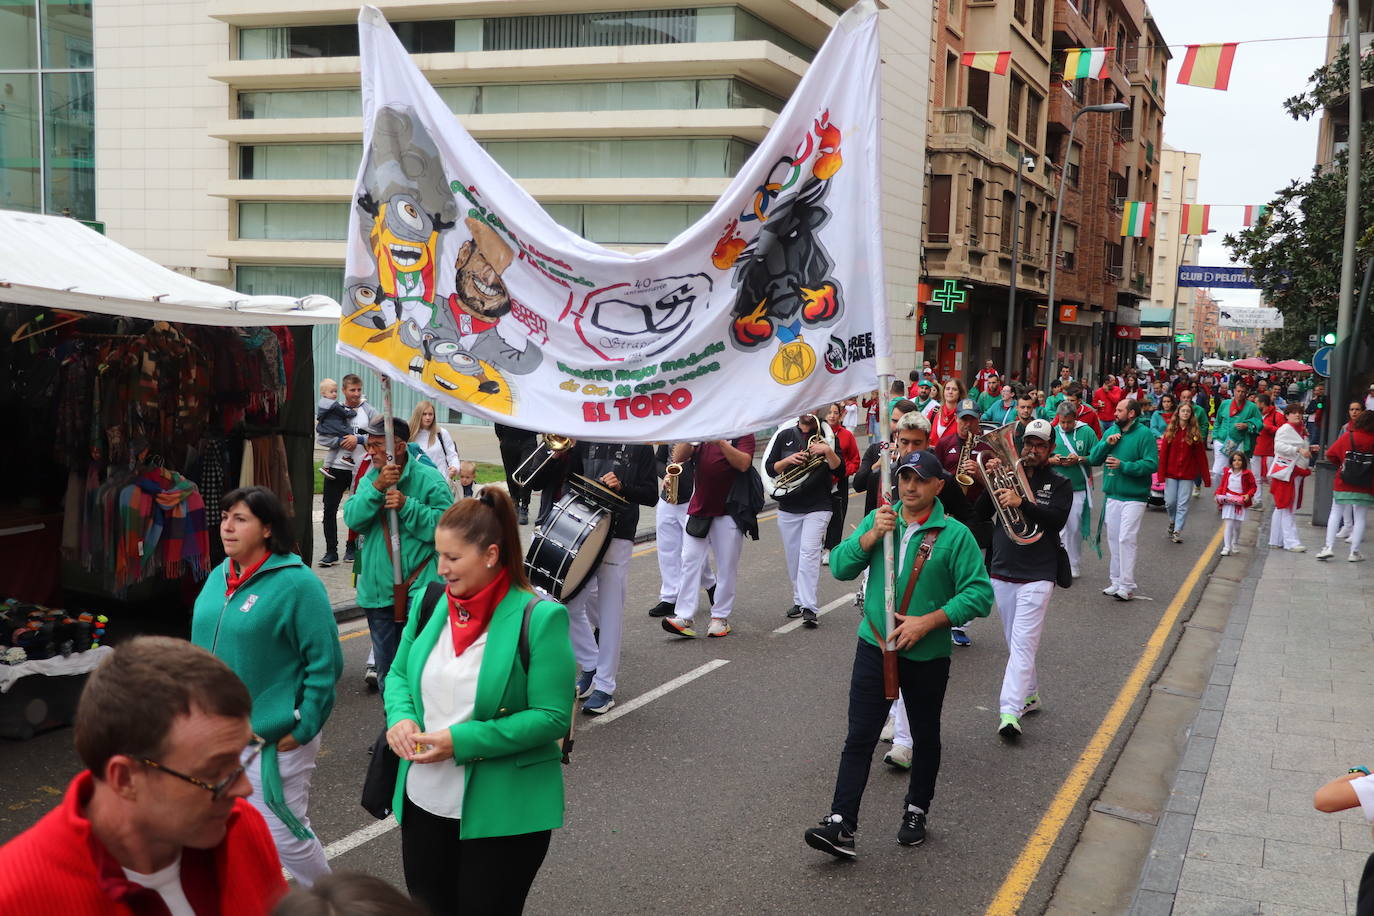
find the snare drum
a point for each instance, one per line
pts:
(568, 548)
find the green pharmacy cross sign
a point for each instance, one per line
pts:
(949, 295)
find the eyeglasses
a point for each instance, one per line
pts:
(218, 789)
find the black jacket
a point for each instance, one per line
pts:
(952, 499)
(632, 464)
(685, 480)
(1031, 562)
(814, 493)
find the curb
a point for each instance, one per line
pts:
(1158, 884)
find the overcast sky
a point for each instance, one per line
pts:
(1250, 146)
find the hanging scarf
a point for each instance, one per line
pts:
(468, 617)
(1236, 405)
(237, 575)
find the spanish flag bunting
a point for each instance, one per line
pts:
(992, 61)
(1136, 220)
(1086, 63)
(1256, 214)
(1195, 218)
(1208, 66)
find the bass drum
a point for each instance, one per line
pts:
(568, 548)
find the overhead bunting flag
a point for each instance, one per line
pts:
(1208, 66)
(1256, 214)
(992, 61)
(1086, 63)
(1136, 220)
(459, 285)
(1195, 219)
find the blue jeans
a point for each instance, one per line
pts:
(386, 638)
(1178, 495)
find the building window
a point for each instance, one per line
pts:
(1016, 92)
(47, 112)
(292, 220)
(937, 226)
(628, 95)
(1018, 10)
(975, 218)
(1031, 134)
(1028, 236)
(1068, 245)
(1073, 170)
(525, 33)
(978, 90)
(1008, 220)
(1166, 184)
(1038, 20)
(952, 81)
(300, 160)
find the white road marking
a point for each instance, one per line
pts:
(359, 837)
(623, 709)
(793, 624)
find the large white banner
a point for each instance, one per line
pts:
(1249, 317)
(460, 285)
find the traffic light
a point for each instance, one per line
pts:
(1329, 338)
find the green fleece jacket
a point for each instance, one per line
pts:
(427, 496)
(954, 579)
(1249, 416)
(1139, 457)
(277, 633)
(509, 749)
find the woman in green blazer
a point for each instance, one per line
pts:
(480, 785)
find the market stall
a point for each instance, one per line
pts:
(136, 397)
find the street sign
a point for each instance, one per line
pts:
(1183, 338)
(1216, 277)
(1321, 362)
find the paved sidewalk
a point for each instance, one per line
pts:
(1289, 706)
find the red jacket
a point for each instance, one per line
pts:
(59, 866)
(1363, 442)
(1182, 461)
(1089, 416)
(1246, 488)
(1105, 401)
(1264, 440)
(849, 451)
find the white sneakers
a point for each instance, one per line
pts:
(889, 729)
(1301, 548)
(1109, 590)
(1325, 553)
(1356, 557)
(719, 627)
(1226, 551)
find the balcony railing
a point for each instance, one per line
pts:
(963, 122)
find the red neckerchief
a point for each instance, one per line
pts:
(232, 579)
(946, 416)
(468, 617)
(1236, 405)
(466, 323)
(923, 517)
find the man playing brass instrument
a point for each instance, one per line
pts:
(670, 526)
(804, 511)
(1023, 575)
(957, 450)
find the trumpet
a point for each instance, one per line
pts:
(671, 474)
(963, 480)
(1008, 475)
(550, 446)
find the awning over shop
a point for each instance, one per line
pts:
(56, 262)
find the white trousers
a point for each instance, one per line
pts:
(1257, 467)
(1072, 534)
(901, 725)
(304, 859)
(601, 606)
(1283, 529)
(724, 541)
(1230, 537)
(1219, 460)
(1022, 606)
(1337, 518)
(670, 527)
(1123, 530)
(803, 539)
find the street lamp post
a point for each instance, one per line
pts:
(1046, 358)
(1173, 315)
(1023, 162)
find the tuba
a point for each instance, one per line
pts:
(550, 446)
(1008, 475)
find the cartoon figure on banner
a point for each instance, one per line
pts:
(784, 273)
(640, 320)
(404, 240)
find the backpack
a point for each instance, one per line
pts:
(1357, 469)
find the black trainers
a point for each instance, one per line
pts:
(348, 554)
(834, 837)
(913, 829)
(794, 612)
(810, 618)
(329, 559)
(662, 609)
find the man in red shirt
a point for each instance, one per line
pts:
(159, 822)
(1106, 398)
(718, 463)
(984, 379)
(1073, 396)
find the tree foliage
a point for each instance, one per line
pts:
(1296, 251)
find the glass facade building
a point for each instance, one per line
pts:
(47, 108)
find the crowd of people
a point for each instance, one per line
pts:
(199, 755)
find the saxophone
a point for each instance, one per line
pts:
(671, 474)
(964, 480)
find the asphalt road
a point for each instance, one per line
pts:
(695, 801)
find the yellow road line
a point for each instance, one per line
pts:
(1028, 864)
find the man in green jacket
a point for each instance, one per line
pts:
(1238, 422)
(1131, 457)
(951, 589)
(419, 494)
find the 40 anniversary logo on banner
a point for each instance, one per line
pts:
(460, 285)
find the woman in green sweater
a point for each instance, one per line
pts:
(267, 616)
(475, 713)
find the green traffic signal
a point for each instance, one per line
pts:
(1329, 338)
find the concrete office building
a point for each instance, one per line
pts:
(1179, 172)
(229, 131)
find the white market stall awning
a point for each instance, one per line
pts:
(56, 262)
